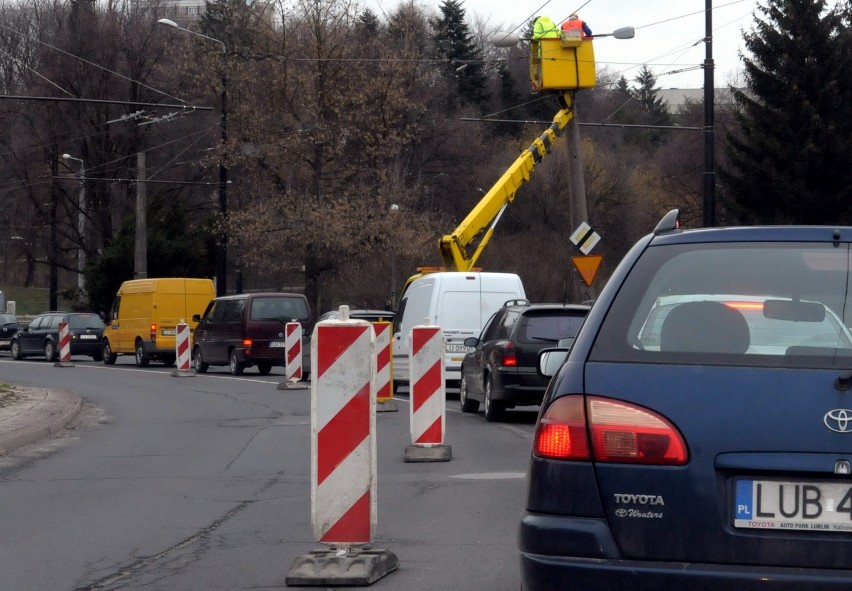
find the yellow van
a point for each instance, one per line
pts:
(145, 314)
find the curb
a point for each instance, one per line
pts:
(45, 418)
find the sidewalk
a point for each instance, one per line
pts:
(30, 414)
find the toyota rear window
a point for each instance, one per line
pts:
(779, 304)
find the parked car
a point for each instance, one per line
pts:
(8, 327)
(247, 330)
(501, 370)
(362, 314)
(40, 338)
(699, 433)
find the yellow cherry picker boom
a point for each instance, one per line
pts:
(560, 64)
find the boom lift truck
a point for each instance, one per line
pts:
(557, 65)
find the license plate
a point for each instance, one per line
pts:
(88, 337)
(5, 342)
(457, 349)
(276, 343)
(168, 332)
(793, 505)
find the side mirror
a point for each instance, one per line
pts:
(550, 360)
(196, 318)
(471, 342)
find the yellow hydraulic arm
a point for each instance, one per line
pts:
(480, 222)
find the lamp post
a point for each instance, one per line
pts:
(81, 219)
(222, 245)
(394, 209)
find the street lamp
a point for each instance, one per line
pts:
(222, 246)
(81, 219)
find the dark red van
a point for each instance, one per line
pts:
(247, 330)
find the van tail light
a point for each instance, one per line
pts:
(247, 343)
(153, 331)
(508, 357)
(616, 432)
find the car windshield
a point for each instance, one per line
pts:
(84, 321)
(776, 304)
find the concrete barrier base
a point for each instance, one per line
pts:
(351, 567)
(183, 374)
(428, 453)
(386, 406)
(293, 386)
(63, 364)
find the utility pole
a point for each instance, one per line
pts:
(709, 123)
(576, 193)
(140, 253)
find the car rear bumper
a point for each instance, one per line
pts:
(86, 347)
(577, 554)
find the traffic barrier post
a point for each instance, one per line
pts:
(293, 357)
(182, 351)
(64, 346)
(384, 375)
(428, 396)
(343, 459)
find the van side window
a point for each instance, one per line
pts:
(233, 311)
(215, 311)
(113, 313)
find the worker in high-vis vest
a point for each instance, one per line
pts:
(575, 24)
(544, 27)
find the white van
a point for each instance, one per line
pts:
(460, 302)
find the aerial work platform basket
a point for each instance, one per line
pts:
(562, 63)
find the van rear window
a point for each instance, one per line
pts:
(280, 308)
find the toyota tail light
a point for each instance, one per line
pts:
(606, 430)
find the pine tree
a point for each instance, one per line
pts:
(646, 94)
(789, 161)
(464, 59)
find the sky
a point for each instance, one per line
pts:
(668, 32)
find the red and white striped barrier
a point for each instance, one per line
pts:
(182, 350)
(64, 346)
(428, 395)
(384, 389)
(343, 426)
(293, 351)
(343, 458)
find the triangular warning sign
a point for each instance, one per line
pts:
(588, 267)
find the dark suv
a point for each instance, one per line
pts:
(247, 330)
(501, 369)
(699, 433)
(40, 338)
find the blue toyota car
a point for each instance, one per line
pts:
(699, 434)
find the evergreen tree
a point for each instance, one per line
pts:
(789, 161)
(464, 59)
(175, 249)
(647, 95)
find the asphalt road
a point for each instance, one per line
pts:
(204, 483)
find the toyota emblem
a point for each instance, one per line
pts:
(838, 420)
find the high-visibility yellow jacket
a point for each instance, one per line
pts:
(545, 27)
